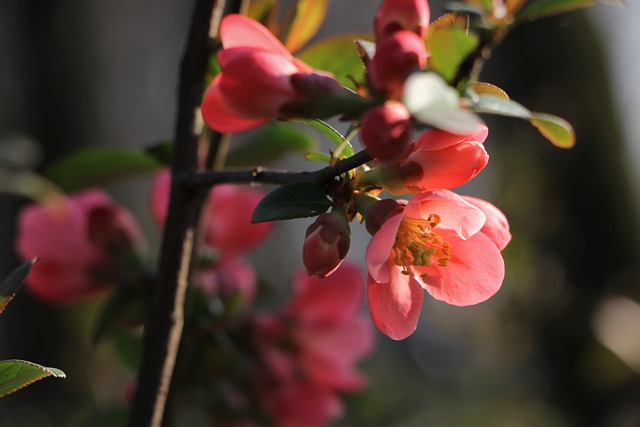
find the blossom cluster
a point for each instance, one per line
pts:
(438, 241)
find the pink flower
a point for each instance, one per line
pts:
(438, 159)
(310, 349)
(233, 282)
(387, 130)
(227, 216)
(396, 57)
(78, 243)
(441, 243)
(396, 15)
(261, 80)
(326, 244)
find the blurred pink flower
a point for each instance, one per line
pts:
(227, 216)
(438, 159)
(396, 15)
(441, 243)
(260, 79)
(310, 349)
(78, 243)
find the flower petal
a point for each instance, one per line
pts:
(395, 306)
(241, 31)
(496, 227)
(473, 274)
(379, 249)
(219, 115)
(436, 139)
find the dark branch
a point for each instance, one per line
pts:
(270, 176)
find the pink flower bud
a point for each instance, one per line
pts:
(396, 57)
(262, 81)
(387, 130)
(326, 244)
(396, 15)
(379, 212)
(78, 244)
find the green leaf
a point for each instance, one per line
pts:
(544, 8)
(97, 166)
(497, 105)
(481, 88)
(269, 143)
(431, 101)
(555, 129)
(296, 200)
(337, 55)
(10, 286)
(317, 157)
(449, 42)
(16, 374)
(309, 16)
(331, 133)
(162, 152)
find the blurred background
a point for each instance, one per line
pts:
(558, 346)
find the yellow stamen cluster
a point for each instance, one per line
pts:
(417, 244)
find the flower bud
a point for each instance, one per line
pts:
(326, 244)
(395, 59)
(387, 131)
(396, 15)
(379, 212)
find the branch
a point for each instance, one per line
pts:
(270, 176)
(163, 328)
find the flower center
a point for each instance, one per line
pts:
(418, 245)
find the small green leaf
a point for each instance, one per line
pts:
(432, 101)
(555, 129)
(331, 133)
(10, 286)
(308, 17)
(16, 374)
(449, 42)
(337, 55)
(97, 166)
(296, 200)
(25, 183)
(544, 8)
(317, 157)
(482, 88)
(269, 143)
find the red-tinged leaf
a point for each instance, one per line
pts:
(544, 8)
(16, 374)
(10, 286)
(481, 88)
(308, 17)
(338, 56)
(555, 129)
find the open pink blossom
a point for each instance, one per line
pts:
(438, 159)
(260, 80)
(78, 244)
(396, 15)
(227, 216)
(441, 243)
(312, 346)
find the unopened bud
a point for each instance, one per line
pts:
(396, 15)
(326, 244)
(380, 212)
(387, 131)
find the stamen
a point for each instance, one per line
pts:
(418, 245)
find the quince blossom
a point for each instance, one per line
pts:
(227, 216)
(310, 349)
(439, 242)
(82, 243)
(261, 81)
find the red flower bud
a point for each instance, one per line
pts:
(379, 212)
(396, 15)
(387, 131)
(396, 57)
(326, 244)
